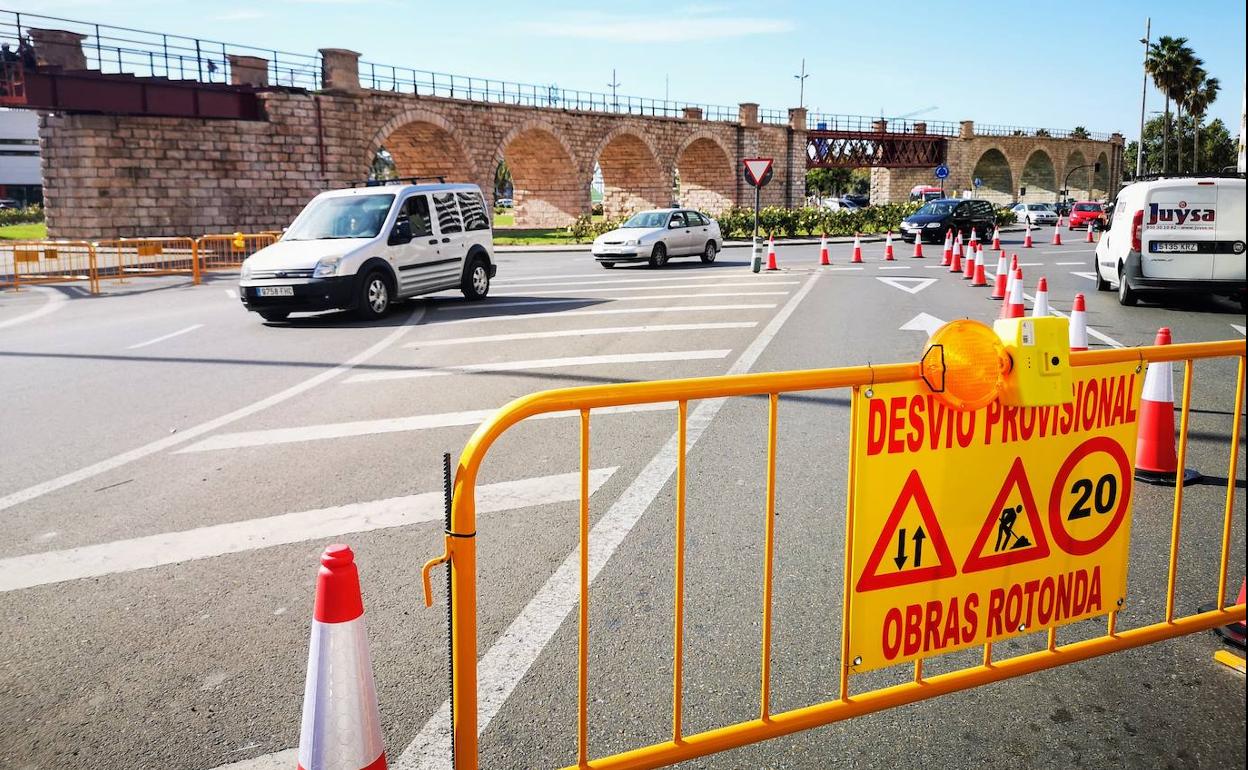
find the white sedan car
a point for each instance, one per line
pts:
(1034, 213)
(657, 236)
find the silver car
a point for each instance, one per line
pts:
(1034, 213)
(657, 236)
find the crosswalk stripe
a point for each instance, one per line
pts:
(752, 284)
(646, 329)
(512, 318)
(541, 363)
(38, 569)
(254, 438)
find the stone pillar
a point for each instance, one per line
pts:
(58, 48)
(797, 118)
(693, 113)
(879, 126)
(920, 128)
(747, 113)
(340, 69)
(966, 129)
(248, 70)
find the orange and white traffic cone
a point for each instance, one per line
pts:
(771, 253)
(341, 727)
(1013, 307)
(1156, 461)
(1027, 238)
(1041, 305)
(999, 280)
(968, 269)
(973, 243)
(1057, 233)
(918, 247)
(959, 248)
(956, 265)
(888, 247)
(996, 238)
(1089, 238)
(946, 258)
(1079, 324)
(824, 259)
(981, 278)
(857, 259)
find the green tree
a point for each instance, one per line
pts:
(827, 181)
(1166, 63)
(1217, 148)
(503, 185)
(1202, 94)
(1079, 132)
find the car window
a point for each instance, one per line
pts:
(416, 211)
(695, 219)
(448, 213)
(473, 209)
(983, 208)
(647, 219)
(678, 220)
(962, 210)
(355, 216)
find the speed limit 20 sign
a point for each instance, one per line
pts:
(973, 527)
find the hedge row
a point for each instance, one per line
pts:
(21, 216)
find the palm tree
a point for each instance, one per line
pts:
(1164, 63)
(1200, 97)
(1191, 73)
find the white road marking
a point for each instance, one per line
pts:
(56, 300)
(253, 438)
(231, 293)
(726, 276)
(505, 663)
(936, 267)
(908, 285)
(651, 288)
(1108, 340)
(842, 269)
(195, 431)
(1089, 276)
(928, 324)
(38, 569)
(1031, 264)
(541, 363)
(895, 267)
(610, 311)
(1237, 328)
(278, 760)
(648, 329)
(162, 338)
(464, 306)
(1068, 264)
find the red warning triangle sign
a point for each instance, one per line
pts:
(1009, 545)
(905, 550)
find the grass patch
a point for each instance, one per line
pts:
(35, 231)
(533, 236)
(505, 218)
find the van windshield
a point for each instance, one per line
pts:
(359, 216)
(936, 209)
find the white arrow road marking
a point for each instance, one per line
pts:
(908, 285)
(1237, 328)
(1089, 276)
(922, 323)
(38, 569)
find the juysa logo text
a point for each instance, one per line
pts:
(1180, 216)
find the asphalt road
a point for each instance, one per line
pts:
(156, 611)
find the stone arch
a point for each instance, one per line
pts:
(1100, 179)
(631, 176)
(993, 169)
(550, 190)
(423, 143)
(706, 172)
(1039, 177)
(1080, 182)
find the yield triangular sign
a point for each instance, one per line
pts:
(910, 285)
(907, 565)
(757, 168)
(1006, 538)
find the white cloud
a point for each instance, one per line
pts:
(241, 14)
(657, 28)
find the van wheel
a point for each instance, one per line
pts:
(1101, 283)
(658, 257)
(708, 254)
(477, 280)
(1125, 295)
(374, 298)
(274, 315)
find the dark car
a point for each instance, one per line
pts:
(861, 201)
(939, 216)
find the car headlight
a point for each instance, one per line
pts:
(326, 268)
(931, 225)
(631, 242)
(245, 272)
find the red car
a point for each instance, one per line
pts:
(1084, 212)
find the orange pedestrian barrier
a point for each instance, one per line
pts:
(124, 258)
(1098, 420)
(217, 252)
(24, 263)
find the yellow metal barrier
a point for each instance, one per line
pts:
(40, 262)
(147, 257)
(226, 251)
(460, 555)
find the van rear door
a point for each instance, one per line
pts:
(1228, 261)
(1178, 230)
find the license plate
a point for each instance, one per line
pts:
(275, 291)
(1172, 247)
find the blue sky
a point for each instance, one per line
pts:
(1023, 63)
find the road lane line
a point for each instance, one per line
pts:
(841, 269)
(254, 438)
(1238, 328)
(1092, 332)
(509, 658)
(231, 293)
(1068, 264)
(732, 276)
(895, 267)
(541, 363)
(38, 569)
(467, 307)
(648, 329)
(752, 284)
(169, 336)
(195, 431)
(512, 317)
(56, 301)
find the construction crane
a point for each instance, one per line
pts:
(914, 114)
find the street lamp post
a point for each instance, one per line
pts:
(801, 89)
(1139, 148)
(615, 102)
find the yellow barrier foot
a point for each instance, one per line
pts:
(1230, 660)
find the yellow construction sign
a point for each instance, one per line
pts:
(976, 526)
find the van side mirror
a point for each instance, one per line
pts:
(402, 232)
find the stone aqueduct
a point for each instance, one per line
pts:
(127, 175)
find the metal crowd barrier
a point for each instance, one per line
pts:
(147, 257)
(225, 251)
(460, 554)
(42, 262)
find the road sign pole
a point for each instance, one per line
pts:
(756, 258)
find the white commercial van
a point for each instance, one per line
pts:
(365, 247)
(1175, 234)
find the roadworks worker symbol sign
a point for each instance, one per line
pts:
(973, 527)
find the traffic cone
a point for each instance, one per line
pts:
(1089, 238)
(981, 279)
(888, 247)
(1079, 324)
(341, 727)
(956, 265)
(1041, 305)
(1013, 307)
(1027, 237)
(996, 238)
(999, 280)
(968, 269)
(771, 253)
(824, 259)
(959, 249)
(918, 247)
(1057, 233)
(857, 260)
(1156, 461)
(946, 258)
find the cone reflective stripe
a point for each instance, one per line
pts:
(824, 259)
(981, 279)
(1041, 305)
(1027, 237)
(956, 265)
(1013, 307)
(857, 250)
(996, 238)
(999, 280)
(946, 258)
(918, 246)
(1156, 456)
(974, 242)
(341, 727)
(1089, 239)
(1079, 324)
(888, 246)
(771, 253)
(1057, 232)
(968, 269)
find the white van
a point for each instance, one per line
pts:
(365, 247)
(1176, 234)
